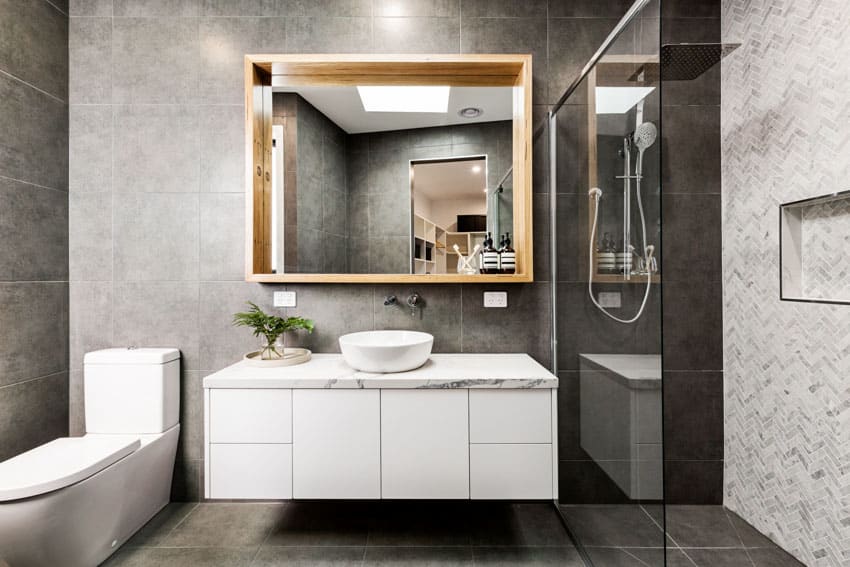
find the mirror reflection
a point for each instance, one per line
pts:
(390, 180)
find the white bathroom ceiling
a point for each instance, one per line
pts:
(451, 180)
(343, 106)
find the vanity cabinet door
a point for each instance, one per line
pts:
(250, 471)
(425, 444)
(511, 471)
(336, 444)
(510, 416)
(250, 415)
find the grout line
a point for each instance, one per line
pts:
(638, 559)
(32, 86)
(30, 183)
(57, 8)
(737, 533)
(183, 519)
(30, 380)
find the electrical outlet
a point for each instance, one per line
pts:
(610, 299)
(495, 299)
(284, 299)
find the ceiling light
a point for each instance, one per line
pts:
(619, 100)
(476, 169)
(404, 98)
(470, 112)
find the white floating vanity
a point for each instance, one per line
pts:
(463, 426)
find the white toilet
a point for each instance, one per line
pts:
(74, 501)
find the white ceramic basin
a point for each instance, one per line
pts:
(386, 351)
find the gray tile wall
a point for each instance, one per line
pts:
(322, 192)
(693, 302)
(156, 182)
(33, 224)
(379, 184)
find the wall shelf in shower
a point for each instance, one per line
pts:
(814, 249)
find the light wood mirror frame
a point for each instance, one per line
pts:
(262, 72)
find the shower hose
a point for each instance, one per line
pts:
(595, 194)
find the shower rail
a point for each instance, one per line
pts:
(594, 59)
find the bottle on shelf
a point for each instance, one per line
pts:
(489, 257)
(507, 258)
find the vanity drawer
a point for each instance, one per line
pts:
(250, 471)
(510, 416)
(510, 472)
(250, 416)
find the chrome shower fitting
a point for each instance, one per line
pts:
(390, 300)
(415, 302)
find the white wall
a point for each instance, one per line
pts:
(444, 212)
(786, 136)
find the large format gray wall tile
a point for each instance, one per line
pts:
(33, 224)
(42, 215)
(90, 319)
(222, 148)
(90, 238)
(90, 148)
(156, 149)
(155, 60)
(90, 8)
(156, 236)
(33, 330)
(163, 314)
(35, 145)
(89, 51)
(34, 45)
(33, 413)
(222, 255)
(416, 35)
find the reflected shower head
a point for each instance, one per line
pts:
(645, 135)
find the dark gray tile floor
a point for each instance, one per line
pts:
(312, 534)
(336, 534)
(697, 536)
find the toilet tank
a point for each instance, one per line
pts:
(132, 390)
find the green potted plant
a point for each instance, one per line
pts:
(272, 331)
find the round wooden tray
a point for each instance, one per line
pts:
(291, 357)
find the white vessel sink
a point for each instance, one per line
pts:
(386, 351)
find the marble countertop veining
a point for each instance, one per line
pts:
(509, 371)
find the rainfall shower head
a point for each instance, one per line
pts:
(645, 135)
(683, 62)
(687, 61)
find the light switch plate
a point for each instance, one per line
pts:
(495, 299)
(610, 299)
(284, 299)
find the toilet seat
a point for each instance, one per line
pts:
(61, 463)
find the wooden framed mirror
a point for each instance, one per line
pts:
(387, 168)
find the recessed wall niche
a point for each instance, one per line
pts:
(815, 249)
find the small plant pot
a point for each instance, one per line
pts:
(290, 356)
(272, 351)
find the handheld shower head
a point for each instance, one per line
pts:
(645, 135)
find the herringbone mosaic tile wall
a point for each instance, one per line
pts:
(826, 245)
(786, 136)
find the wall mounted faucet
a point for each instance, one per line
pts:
(415, 302)
(390, 300)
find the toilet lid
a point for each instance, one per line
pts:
(60, 463)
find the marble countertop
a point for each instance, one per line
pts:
(441, 371)
(637, 371)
